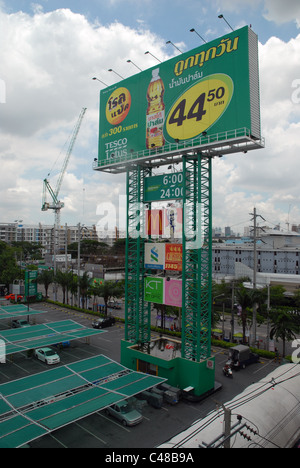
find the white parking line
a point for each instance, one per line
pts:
(91, 433)
(114, 422)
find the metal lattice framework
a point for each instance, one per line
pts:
(196, 262)
(137, 321)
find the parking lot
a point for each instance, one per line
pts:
(101, 430)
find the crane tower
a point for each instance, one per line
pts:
(56, 204)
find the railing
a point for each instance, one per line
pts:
(176, 148)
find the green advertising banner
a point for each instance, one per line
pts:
(31, 282)
(206, 91)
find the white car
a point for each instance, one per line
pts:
(47, 355)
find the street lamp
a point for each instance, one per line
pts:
(130, 61)
(194, 30)
(152, 56)
(111, 70)
(170, 42)
(222, 17)
(95, 78)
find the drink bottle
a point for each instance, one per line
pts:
(155, 116)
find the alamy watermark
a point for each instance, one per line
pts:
(144, 222)
(2, 92)
(2, 352)
(296, 94)
(296, 353)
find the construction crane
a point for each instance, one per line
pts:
(56, 204)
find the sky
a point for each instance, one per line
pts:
(50, 51)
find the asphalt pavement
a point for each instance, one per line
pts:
(101, 430)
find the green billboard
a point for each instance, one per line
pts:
(209, 92)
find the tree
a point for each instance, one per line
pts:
(108, 290)
(84, 285)
(45, 277)
(283, 326)
(64, 279)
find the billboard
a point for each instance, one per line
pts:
(210, 90)
(166, 291)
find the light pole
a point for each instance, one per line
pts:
(95, 78)
(222, 17)
(194, 30)
(111, 70)
(170, 42)
(130, 61)
(147, 52)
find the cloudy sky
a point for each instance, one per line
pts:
(49, 52)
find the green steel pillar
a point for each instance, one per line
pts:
(137, 311)
(196, 261)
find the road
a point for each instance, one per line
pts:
(100, 430)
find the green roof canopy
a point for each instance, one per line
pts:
(34, 406)
(37, 336)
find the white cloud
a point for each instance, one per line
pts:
(48, 60)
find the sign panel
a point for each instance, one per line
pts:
(31, 282)
(155, 256)
(173, 257)
(163, 187)
(210, 90)
(173, 292)
(154, 222)
(154, 289)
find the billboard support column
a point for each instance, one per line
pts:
(137, 312)
(196, 259)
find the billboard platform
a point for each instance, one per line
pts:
(219, 144)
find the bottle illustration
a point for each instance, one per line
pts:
(155, 116)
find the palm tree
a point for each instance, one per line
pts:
(64, 279)
(108, 290)
(284, 327)
(84, 285)
(46, 277)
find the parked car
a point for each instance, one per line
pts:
(103, 322)
(20, 324)
(124, 412)
(47, 355)
(12, 297)
(114, 305)
(240, 356)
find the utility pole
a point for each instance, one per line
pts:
(255, 228)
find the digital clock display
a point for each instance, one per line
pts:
(164, 187)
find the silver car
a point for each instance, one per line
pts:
(125, 413)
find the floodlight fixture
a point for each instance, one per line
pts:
(194, 30)
(222, 17)
(95, 78)
(111, 70)
(130, 61)
(152, 56)
(170, 42)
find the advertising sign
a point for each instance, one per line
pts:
(173, 292)
(154, 222)
(166, 291)
(208, 91)
(155, 256)
(173, 257)
(31, 282)
(154, 289)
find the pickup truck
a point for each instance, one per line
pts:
(240, 356)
